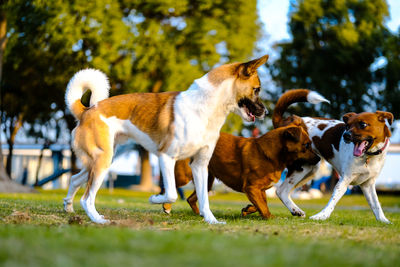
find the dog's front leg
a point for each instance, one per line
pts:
(200, 174)
(369, 191)
(259, 199)
(167, 165)
(291, 182)
(338, 192)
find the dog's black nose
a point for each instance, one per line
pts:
(347, 136)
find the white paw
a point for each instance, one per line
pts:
(100, 220)
(97, 218)
(298, 212)
(384, 220)
(210, 219)
(68, 207)
(160, 199)
(319, 217)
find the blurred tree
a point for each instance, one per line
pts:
(143, 46)
(6, 185)
(334, 43)
(3, 41)
(388, 75)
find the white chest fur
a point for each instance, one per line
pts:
(358, 169)
(199, 114)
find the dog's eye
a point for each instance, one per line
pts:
(308, 145)
(256, 90)
(362, 125)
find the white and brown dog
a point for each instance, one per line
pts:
(355, 148)
(173, 125)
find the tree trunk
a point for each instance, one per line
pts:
(39, 164)
(9, 158)
(3, 41)
(3, 174)
(146, 178)
(13, 130)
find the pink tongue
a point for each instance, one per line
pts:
(359, 148)
(253, 118)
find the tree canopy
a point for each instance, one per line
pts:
(141, 45)
(334, 46)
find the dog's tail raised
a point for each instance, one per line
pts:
(294, 96)
(87, 79)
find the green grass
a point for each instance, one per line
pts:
(34, 231)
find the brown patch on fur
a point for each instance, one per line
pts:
(151, 113)
(322, 126)
(322, 119)
(331, 137)
(218, 75)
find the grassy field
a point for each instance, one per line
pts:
(34, 231)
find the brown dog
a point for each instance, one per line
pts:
(252, 165)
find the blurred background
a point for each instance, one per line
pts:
(347, 50)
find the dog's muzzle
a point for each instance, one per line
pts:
(347, 137)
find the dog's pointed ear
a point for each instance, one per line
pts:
(347, 116)
(245, 70)
(292, 133)
(382, 115)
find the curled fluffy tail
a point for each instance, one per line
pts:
(87, 79)
(294, 96)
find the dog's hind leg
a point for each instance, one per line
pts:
(369, 191)
(97, 174)
(249, 209)
(76, 181)
(291, 182)
(167, 165)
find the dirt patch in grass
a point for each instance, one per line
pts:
(18, 217)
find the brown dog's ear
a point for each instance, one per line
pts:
(382, 115)
(347, 116)
(292, 133)
(296, 120)
(247, 69)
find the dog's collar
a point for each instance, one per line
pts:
(379, 151)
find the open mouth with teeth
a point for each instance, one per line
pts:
(251, 109)
(360, 147)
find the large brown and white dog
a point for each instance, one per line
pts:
(356, 147)
(173, 125)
